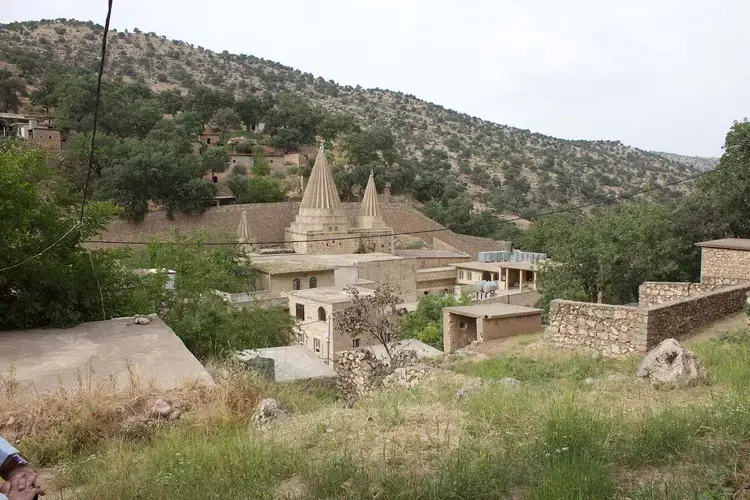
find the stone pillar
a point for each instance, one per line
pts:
(534, 280)
(520, 279)
(387, 193)
(507, 278)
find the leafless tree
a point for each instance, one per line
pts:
(372, 317)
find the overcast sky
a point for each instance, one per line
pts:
(667, 75)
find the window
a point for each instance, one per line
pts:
(355, 343)
(330, 228)
(295, 284)
(214, 179)
(208, 140)
(316, 344)
(313, 282)
(301, 338)
(234, 161)
(299, 310)
(321, 314)
(463, 325)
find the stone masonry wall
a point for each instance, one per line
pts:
(676, 319)
(653, 293)
(267, 222)
(616, 330)
(724, 264)
(610, 330)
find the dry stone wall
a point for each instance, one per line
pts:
(616, 330)
(678, 318)
(657, 292)
(610, 330)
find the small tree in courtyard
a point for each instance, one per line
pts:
(372, 316)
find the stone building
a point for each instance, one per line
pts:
(323, 227)
(315, 310)
(725, 261)
(463, 325)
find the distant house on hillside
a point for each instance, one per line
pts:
(35, 131)
(209, 137)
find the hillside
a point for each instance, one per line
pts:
(510, 170)
(699, 162)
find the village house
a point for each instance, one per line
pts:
(315, 309)
(463, 325)
(509, 274)
(36, 131)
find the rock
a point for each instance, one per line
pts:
(470, 354)
(141, 320)
(468, 388)
(509, 381)
(474, 343)
(671, 366)
(588, 381)
(269, 410)
(162, 409)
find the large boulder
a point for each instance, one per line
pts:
(269, 411)
(671, 366)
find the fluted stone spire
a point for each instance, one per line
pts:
(321, 192)
(370, 205)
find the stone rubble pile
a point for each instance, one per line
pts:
(270, 411)
(360, 371)
(406, 376)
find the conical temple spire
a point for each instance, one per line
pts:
(370, 205)
(321, 192)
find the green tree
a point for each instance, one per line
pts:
(207, 325)
(215, 160)
(205, 102)
(607, 255)
(66, 284)
(225, 119)
(374, 145)
(12, 89)
(172, 101)
(44, 95)
(258, 189)
(426, 322)
(252, 109)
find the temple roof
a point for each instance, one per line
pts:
(321, 192)
(370, 205)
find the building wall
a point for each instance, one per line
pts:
(439, 284)
(220, 221)
(245, 160)
(429, 262)
(496, 328)
(655, 292)
(455, 337)
(616, 330)
(719, 265)
(285, 282)
(526, 298)
(339, 341)
(399, 272)
(46, 139)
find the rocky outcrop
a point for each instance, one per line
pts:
(671, 366)
(270, 411)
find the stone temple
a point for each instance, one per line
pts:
(322, 226)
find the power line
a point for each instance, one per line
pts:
(96, 106)
(614, 199)
(77, 224)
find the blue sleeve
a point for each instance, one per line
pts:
(6, 450)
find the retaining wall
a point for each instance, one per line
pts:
(659, 292)
(617, 330)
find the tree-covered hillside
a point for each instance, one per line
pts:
(437, 155)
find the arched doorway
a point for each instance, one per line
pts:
(321, 314)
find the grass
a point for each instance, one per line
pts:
(553, 437)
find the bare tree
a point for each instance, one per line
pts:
(372, 317)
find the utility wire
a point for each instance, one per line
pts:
(43, 251)
(609, 201)
(96, 107)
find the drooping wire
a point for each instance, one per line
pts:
(36, 256)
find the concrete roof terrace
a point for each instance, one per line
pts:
(727, 244)
(490, 311)
(287, 267)
(47, 358)
(333, 261)
(329, 294)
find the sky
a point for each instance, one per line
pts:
(664, 75)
